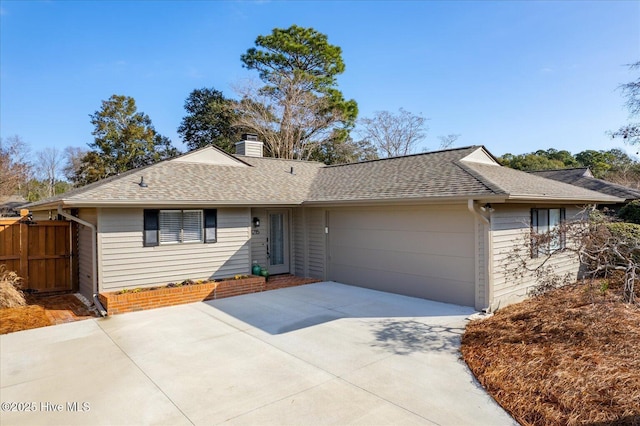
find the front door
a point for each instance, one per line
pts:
(278, 242)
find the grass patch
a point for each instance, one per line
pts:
(568, 357)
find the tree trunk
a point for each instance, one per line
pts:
(629, 282)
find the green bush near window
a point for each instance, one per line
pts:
(631, 212)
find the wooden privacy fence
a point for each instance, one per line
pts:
(43, 253)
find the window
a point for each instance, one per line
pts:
(547, 236)
(172, 224)
(150, 228)
(210, 226)
(179, 226)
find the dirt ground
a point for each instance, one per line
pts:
(42, 311)
(569, 357)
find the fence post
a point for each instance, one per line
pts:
(24, 254)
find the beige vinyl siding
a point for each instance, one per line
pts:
(299, 250)
(124, 262)
(259, 238)
(420, 251)
(479, 156)
(43, 215)
(481, 264)
(510, 226)
(316, 243)
(85, 252)
(209, 156)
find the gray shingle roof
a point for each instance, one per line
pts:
(564, 175)
(264, 181)
(435, 174)
(583, 178)
(521, 185)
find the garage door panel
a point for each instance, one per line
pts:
(433, 220)
(447, 244)
(442, 290)
(421, 252)
(432, 266)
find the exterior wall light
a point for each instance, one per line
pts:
(256, 222)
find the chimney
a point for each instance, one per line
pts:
(249, 146)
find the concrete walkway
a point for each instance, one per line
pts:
(317, 354)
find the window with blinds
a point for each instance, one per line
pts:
(191, 226)
(180, 226)
(547, 235)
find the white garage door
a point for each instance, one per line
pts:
(425, 252)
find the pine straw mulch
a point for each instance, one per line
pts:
(42, 311)
(569, 357)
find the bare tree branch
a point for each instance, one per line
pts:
(292, 126)
(49, 165)
(15, 167)
(447, 141)
(394, 134)
(601, 245)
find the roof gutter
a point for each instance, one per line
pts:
(94, 260)
(524, 198)
(402, 201)
(167, 204)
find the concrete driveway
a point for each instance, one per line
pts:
(323, 353)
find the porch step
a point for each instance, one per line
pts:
(288, 280)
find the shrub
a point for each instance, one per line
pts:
(626, 231)
(629, 234)
(630, 212)
(10, 294)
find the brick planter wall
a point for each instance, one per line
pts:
(116, 303)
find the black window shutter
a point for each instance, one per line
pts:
(210, 225)
(151, 227)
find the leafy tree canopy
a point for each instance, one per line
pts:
(563, 156)
(345, 151)
(38, 189)
(598, 161)
(209, 120)
(601, 163)
(299, 109)
(295, 56)
(124, 139)
(630, 212)
(538, 160)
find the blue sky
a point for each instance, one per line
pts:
(515, 76)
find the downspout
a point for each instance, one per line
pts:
(485, 217)
(94, 260)
(473, 208)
